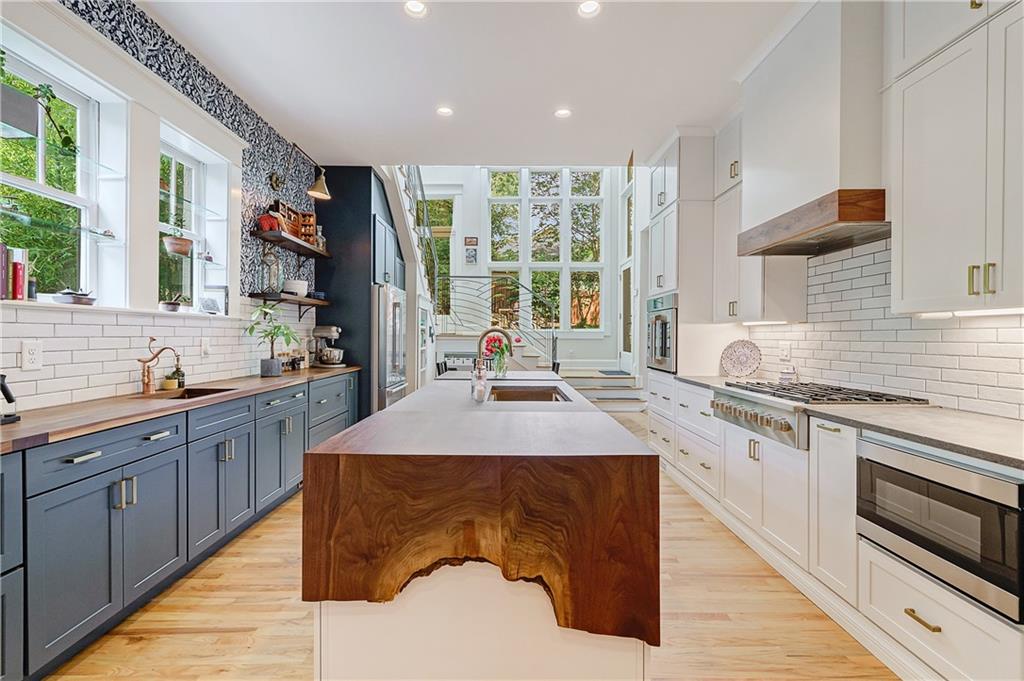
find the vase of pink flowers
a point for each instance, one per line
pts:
(498, 349)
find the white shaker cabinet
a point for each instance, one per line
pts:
(914, 30)
(954, 156)
(662, 252)
(726, 262)
(665, 179)
(833, 506)
(741, 475)
(727, 157)
(784, 497)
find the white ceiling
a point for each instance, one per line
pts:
(358, 83)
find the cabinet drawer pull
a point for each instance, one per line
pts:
(135, 490)
(704, 413)
(684, 406)
(972, 276)
(822, 426)
(912, 614)
(88, 456)
(653, 432)
(705, 466)
(323, 401)
(298, 395)
(684, 452)
(986, 276)
(664, 397)
(273, 403)
(665, 440)
(157, 436)
(651, 392)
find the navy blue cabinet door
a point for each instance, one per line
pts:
(353, 400)
(12, 632)
(296, 436)
(381, 239)
(12, 496)
(240, 476)
(154, 521)
(270, 475)
(206, 525)
(74, 566)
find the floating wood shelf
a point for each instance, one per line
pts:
(305, 304)
(291, 243)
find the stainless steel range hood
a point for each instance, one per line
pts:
(837, 220)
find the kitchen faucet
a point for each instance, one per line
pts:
(147, 369)
(488, 332)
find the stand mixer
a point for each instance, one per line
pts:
(324, 353)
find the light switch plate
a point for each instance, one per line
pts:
(31, 355)
(204, 346)
(784, 351)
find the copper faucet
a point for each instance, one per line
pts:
(147, 370)
(488, 332)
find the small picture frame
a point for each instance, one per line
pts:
(471, 256)
(470, 241)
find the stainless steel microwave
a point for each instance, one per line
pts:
(958, 522)
(661, 332)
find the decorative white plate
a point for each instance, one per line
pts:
(741, 358)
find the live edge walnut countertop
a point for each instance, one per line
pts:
(558, 494)
(53, 424)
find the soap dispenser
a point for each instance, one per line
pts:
(478, 381)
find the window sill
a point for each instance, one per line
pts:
(48, 305)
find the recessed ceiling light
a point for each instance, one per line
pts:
(444, 111)
(416, 9)
(562, 113)
(590, 8)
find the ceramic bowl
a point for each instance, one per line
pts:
(298, 287)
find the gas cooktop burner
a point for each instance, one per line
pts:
(819, 393)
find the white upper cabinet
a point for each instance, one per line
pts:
(954, 157)
(727, 157)
(727, 263)
(664, 231)
(665, 179)
(916, 29)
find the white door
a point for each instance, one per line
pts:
(1004, 243)
(727, 263)
(784, 493)
(627, 303)
(741, 479)
(833, 503)
(938, 123)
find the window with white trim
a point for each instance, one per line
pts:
(47, 186)
(182, 224)
(547, 230)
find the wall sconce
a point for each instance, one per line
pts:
(317, 190)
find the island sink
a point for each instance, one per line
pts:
(526, 393)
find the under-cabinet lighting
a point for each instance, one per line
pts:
(763, 323)
(416, 9)
(989, 313)
(934, 315)
(563, 113)
(444, 111)
(589, 9)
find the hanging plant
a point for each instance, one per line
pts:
(176, 242)
(43, 94)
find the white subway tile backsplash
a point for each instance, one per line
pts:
(89, 354)
(971, 363)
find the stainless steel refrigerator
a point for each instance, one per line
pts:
(389, 360)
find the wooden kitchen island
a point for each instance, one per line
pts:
(443, 538)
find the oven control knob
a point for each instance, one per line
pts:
(783, 426)
(765, 419)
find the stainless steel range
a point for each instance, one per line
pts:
(775, 410)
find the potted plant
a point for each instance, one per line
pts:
(172, 302)
(176, 242)
(265, 326)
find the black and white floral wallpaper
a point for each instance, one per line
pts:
(140, 36)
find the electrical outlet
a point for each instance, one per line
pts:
(204, 346)
(31, 355)
(784, 351)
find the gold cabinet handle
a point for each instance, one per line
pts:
(822, 426)
(704, 413)
(987, 278)
(665, 440)
(157, 436)
(912, 614)
(976, 4)
(135, 490)
(705, 466)
(82, 458)
(684, 452)
(972, 276)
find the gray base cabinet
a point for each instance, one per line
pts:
(154, 521)
(74, 564)
(12, 495)
(12, 634)
(280, 441)
(221, 486)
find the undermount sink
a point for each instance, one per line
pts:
(526, 393)
(188, 393)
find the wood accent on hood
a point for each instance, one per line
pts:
(837, 220)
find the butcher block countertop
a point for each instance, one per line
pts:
(53, 424)
(555, 493)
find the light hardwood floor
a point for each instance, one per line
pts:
(726, 614)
